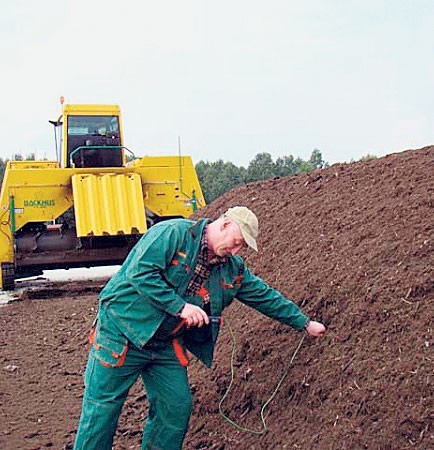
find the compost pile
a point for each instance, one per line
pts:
(353, 245)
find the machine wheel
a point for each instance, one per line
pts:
(8, 276)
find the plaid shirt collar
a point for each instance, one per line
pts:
(204, 252)
(203, 267)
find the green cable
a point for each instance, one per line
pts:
(264, 425)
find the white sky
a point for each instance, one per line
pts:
(232, 78)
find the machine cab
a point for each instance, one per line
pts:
(92, 136)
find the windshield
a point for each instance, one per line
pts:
(93, 125)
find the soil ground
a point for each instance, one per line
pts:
(353, 245)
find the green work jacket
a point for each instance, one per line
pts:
(151, 285)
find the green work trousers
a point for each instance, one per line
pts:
(106, 389)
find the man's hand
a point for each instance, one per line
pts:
(315, 328)
(194, 315)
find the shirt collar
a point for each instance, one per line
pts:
(205, 251)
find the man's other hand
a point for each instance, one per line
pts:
(315, 328)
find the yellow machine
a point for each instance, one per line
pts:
(90, 207)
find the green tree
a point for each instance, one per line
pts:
(218, 177)
(316, 160)
(288, 165)
(262, 167)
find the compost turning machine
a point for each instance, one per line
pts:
(90, 206)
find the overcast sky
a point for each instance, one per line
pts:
(232, 78)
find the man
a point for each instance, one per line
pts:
(169, 295)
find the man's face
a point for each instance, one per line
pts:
(229, 241)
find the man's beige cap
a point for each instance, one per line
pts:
(247, 222)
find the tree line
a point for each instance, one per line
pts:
(220, 176)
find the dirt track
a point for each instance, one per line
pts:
(354, 245)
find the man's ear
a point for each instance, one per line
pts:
(225, 224)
